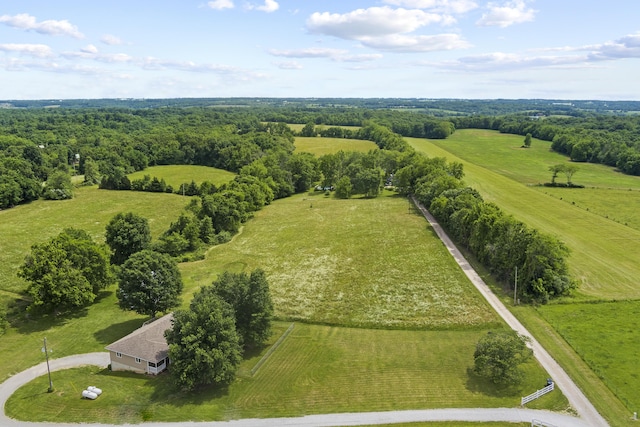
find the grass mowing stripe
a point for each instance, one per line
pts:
(272, 349)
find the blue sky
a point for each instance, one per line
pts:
(560, 49)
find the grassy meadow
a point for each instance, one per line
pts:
(603, 252)
(175, 175)
(90, 209)
(321, 146)
(317, 369)
(356, 262)
(361, 262)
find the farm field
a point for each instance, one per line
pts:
(317, 369)
(617, 328)
(359, 262)
(175, 175)
(90, 209)
(350, 262)
(321, 146)
(603, 252)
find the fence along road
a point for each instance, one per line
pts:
(576, 398)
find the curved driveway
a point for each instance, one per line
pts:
(324, 420)
(576, 398)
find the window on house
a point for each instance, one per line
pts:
(118, 354)
(152, 365)
(137, 360)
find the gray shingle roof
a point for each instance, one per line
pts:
(147, 342)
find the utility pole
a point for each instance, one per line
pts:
(46, 353)
(515, 288)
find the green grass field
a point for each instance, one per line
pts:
(364, 262)
(90, 209)
(321, 146)
(357, 262)
(317, 369)
(604, 252)
(175, 175)
(617, 328)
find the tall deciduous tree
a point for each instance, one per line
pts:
(150, 283)
(498, 357)
(204, 346)
(126, 234)
(250, 299)
(66, 272)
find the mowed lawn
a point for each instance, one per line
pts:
(175, 175)
(606, 336)
(317, 369)
(321, 146)
(604, 252)
(357, 262)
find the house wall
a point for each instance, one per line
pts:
(127, 363)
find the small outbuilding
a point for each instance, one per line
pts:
(144, 350)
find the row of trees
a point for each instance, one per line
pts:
(499, 241)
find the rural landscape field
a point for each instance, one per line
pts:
(371, 312)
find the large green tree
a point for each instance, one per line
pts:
(499, 356)
(204, 346)
(126, 234)
(248, 295)
(150, 283)
(67, 272)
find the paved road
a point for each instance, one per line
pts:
(325, 420)
(576, 398)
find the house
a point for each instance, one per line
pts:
(144, 350)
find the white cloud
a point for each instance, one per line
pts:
(313, 52)
(268, 6)
(111, 40)
(35, 50)
(445, 6)
(338, 55)
(27, 22)
(509, 13)
(89, 49)
(625, 47)
(371, 22)
(409, 43)
(289, 65)
(221, 4)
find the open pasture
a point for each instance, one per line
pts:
(321, 146)
(90, 209)
(317, 369)
(603, 252)
(357, 262)
(175, 175)
(606, 337)
(503, 153)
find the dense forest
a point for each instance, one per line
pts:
(105, 140)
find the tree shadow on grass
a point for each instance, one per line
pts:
(116, 331)
(478, 384)
(29, 322)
